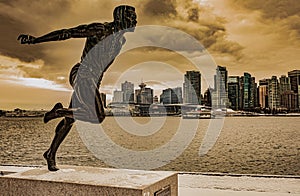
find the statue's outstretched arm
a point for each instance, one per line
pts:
(63, 34)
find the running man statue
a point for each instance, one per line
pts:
(103, 44)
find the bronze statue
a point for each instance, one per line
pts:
(103, 40)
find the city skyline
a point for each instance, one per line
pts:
(203, 90)
(235, 92)
(261, 38)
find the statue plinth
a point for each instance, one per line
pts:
(75, 180)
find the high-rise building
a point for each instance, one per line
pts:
(294, 80)
(233, 92)
(128, 92)
(295, 83)
(284, 84)
(171, 96)
(253, 93)
(273, 93)
(118, 96)
(263, 93)
(166, 96)
(246, 91)
(192, 87)
(288, 100)
(220, 93)
(144, 95)
(178, 93)
(241, 95)
(286, 95)
(207, 97)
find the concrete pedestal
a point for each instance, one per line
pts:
(74, 180)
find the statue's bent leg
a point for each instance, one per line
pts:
(57, 112)
(52, 114)
(62, 130)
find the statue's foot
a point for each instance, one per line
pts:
(50, 162)
(52, 114)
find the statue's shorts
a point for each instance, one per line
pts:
(86, 100)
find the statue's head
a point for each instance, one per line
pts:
(125, 17)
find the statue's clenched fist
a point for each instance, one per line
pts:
(26, 39)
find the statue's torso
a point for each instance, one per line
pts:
(101, 49)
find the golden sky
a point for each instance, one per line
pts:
(259, 37)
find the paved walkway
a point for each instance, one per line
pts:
(238, 185)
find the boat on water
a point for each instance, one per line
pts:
(197, 115)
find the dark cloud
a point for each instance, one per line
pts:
(272, 9)
(26, 17)
(160, 8)
(38, 9)
(284, 12)
(205, 26)
(228, 47)
(9, 46)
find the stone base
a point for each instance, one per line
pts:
(74, 180)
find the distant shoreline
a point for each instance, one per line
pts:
(155, 116)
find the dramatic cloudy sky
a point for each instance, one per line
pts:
(259, 37)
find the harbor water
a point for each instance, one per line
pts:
(246, 145)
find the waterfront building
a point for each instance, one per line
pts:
(294, 80)
(245, 91)
(233, 92)
(263, 93)
(253, 94)
(118, 96)
(178, 93)
(128, 92)
(284, 84)
(241, 94)
(215, 101)
(207, 97)
(273, 93)
(192, 87)
(295, 83)
(171, 96)
(288, 100)
(220, 93)
(248, 92)
(144, 95)
(166, 96)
